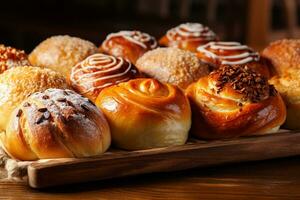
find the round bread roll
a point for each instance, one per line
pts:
(11, 57)
(188, 36)
(144, 114)
(217, 54)
(56, 123)
(98, 71)
(61, 53)
(128, 44)
(172, 65)
(19, 82)
(234, 101)
(288, 85)
(283, 55)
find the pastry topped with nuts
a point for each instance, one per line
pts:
(56, 123)
(11, 57)
(253, 86)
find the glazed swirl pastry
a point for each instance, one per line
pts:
(217, 54)
(56, 123)
(98, 71)
(145, 113)
(128, 44)
(234, 101)
(188, 36)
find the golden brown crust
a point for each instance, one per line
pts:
(98, 71)
(283, 55)
(288, 85)
(61, 53)
(188, 36)
(17, 83)
(218, 54)
(11, 57)
(241, 103)
(129, 45)
(144, 113)
(56, 123)
(172, 65)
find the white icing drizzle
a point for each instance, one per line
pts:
(99, 67)
(191, 31)
(248, 55)
(136, 37)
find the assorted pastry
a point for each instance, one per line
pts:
(69, 98)
(129, 45)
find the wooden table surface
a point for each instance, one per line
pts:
(273, 179)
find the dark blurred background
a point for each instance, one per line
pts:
(23, 24)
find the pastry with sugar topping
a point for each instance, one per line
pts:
(234, 101)
(11, 57)
(217, 54)
(98, 71)
(128, 44)
(56, 123)
(188, 36)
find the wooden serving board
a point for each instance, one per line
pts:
(195, 153)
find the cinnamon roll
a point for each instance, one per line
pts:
(188, 36)
(11, 57)
(98, 71)
(145, 113)
(128, 44)
(234, 101)
(217, 54)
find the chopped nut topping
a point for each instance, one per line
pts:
(19, 113)
(42, 110)
(253, 86)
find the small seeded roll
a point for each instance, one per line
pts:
(283, 55)
(188, 36)
(56, 123)
(217, 54)
(145, 113)
(234, 101)
(19, 82)
(172, 65)
(11, 57)
(129, 45)
(98, 71)
(61, 53)
(288, 85)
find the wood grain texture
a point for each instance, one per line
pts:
(272, 179)
(194, 154)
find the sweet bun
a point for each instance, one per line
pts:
(288, 85)
(188, 36)
(128, 44)
(217, 54)
(145, 113)
(61, 53)
(19, 82)
(283, 55)
(234, 101)
(56, 123)
(98, 71)
(11, 57)
(172, 65)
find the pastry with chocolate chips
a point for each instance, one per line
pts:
(234, 101)
(56, 123)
